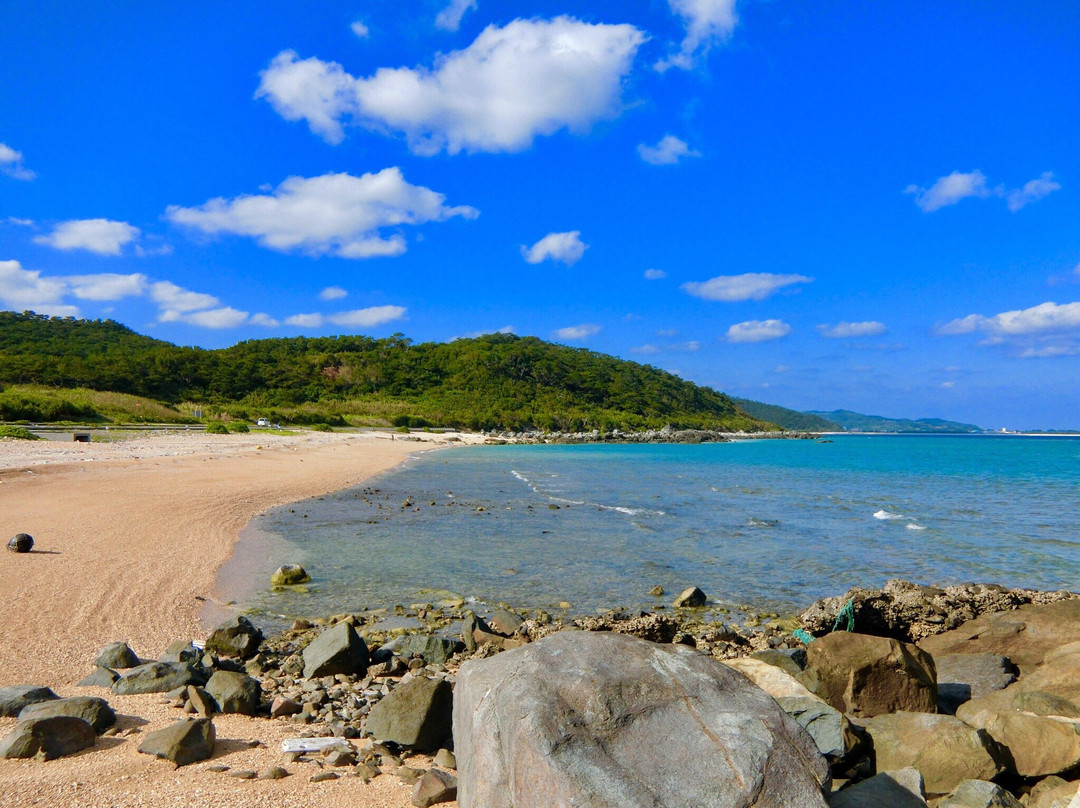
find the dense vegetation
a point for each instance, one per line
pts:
(494, 381)
(785, 418)
(856, 422)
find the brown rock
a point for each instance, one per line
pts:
(434, 787)
(863, 675)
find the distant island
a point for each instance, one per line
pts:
(856, 422)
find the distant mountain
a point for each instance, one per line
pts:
(785, 418)
(857, 422)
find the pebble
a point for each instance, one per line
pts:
(324, 776)
(273, 773)
(243, 774)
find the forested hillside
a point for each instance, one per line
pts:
(494, 381)
(785, 418)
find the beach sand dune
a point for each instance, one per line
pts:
(128, 539)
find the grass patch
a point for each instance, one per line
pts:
(43, 405)
(17, 432)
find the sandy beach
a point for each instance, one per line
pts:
(128, 540)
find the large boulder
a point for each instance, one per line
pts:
(237, 637)
(94, 711)
(1018, 719)
(606, 720)
(900, 789)
(50, 736)
(945, 749)
(980, 794)
(827, 726)
(117, 655)
(961, 677)
(234, 692)
(1025, 635)
(339, 649)
(101, 677)
(158, 677)
(417, 715)
(1056, 675)
(864, 675)
(1053, 792)
(13, 699)
(183, 742)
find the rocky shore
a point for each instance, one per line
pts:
(668, 434)
(904, 696)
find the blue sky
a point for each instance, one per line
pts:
(869, 206)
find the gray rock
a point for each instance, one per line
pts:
(961, 677)
(690, 598)
(505, 622)
(980, 794)
(94, 711)
(417, 715)
(157, 677)
(826, 725)
(183, 742)
(579, 718)
(13, 699)
(899, 789)
(339, 649)
(51, 736)
(434, 650)
(234, 692)
(200, 701)
(273, 773)
(445, 758)
(101, 677)
(785, 662)
(945, 749)
(864, 675)
(235, 638)
(117, 655)
(434, 787)
(181, 651)
(289, 575)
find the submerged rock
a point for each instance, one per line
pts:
(690, 598)
(289, 575)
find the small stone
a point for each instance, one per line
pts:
(21, 543)
(445, 758)
(200, 703)
(407, 774)
(273, 773)
(434, 787)
(217, 769)
(339, 757)
(980, 794)
(366, 771)
(117, 655)
(282, 706)
(101, 677)
(243, 774)
(183, 742)
(289, 575)
(657, 591)
(691, 598)
(322, 777)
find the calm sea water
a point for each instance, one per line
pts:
(772, 524)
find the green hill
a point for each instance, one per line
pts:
(498, 381)
(856, 422)
(785, 418)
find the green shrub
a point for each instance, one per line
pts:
(403, 429)
(321, 428)
(216, 428)
(17, 432)
(414, 421)
(238, 426)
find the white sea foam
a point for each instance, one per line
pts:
(913, 526)
(618, 508)
(883, 514)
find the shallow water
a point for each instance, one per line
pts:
(772, 524)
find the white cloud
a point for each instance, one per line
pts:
(11, 163)
(1032, 191)
(107, 286)
(655, 274)
(647, 349)
(336, 214)
(264, 320)
(225, 317)
(332, 293)
(449, 19)
(758, 331)
(706, 22)
(957, 186)
(667, 152)
(305, 320)
(176, 299)
(564, 247)
(576, 332)
(949, 190)
(512, 84)
(1045, 330)
(369, 317)
(843, 330)
(749, 286)
(358, 318)
(15, 220)
(101, 236)
(22, 289)
(361, 30)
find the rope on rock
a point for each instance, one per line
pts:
(846, 617)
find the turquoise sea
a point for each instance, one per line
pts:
(773, 524)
